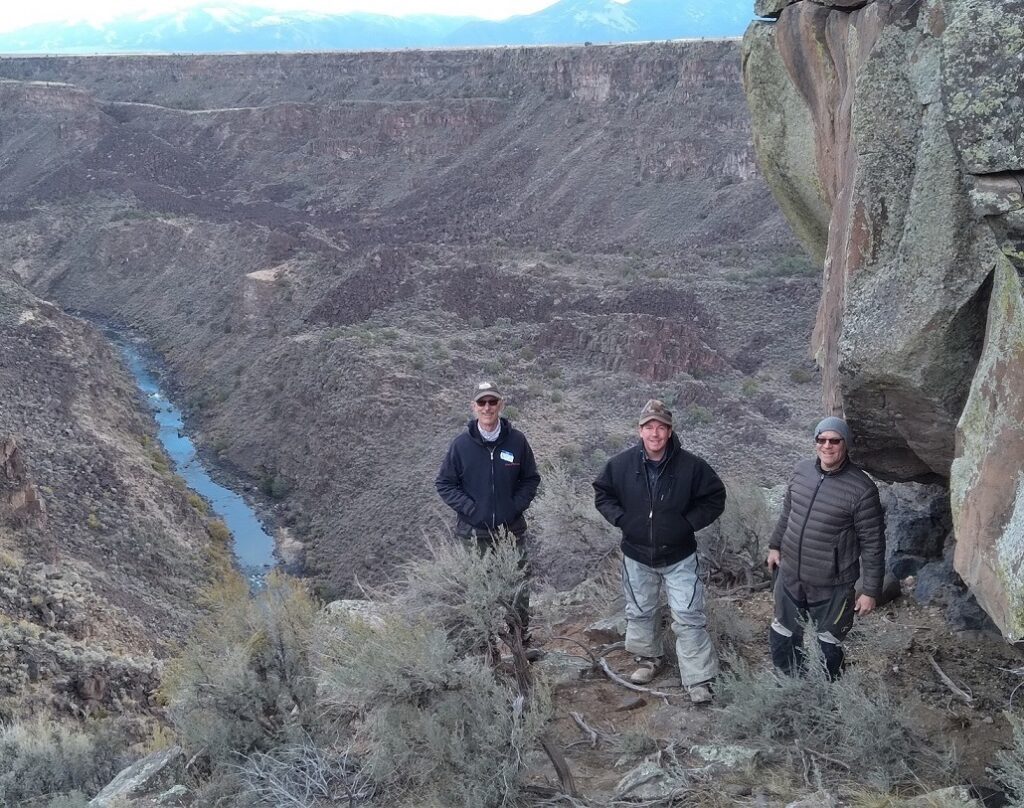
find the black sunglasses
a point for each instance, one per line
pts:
(487, 402)
(829, 441)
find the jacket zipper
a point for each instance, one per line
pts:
(803, 527)
(494, 502)
(651, 491)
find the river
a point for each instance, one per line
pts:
(253, 546)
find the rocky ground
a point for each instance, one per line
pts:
(954, 686)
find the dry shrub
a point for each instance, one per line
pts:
(244, 682)
(41, 761)
(1009, 764)
(850, 728)
(413, 688)
(731, 629)
(469, 596)
(436, 718)
(570, 537)
(306, 774)
(445, 727)
(734, 547)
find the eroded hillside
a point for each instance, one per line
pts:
(101, 554)
(329, 248)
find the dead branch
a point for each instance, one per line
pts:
(823, 756)
(592, 733)
(966, 697)
(557, 759)
(629, 685)
(585, 647)
(888, 620)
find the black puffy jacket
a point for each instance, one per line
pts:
(488, 485)
(659, 530)
(831, 523)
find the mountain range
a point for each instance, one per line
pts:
(234, 27)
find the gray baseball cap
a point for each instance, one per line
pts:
(481, 389)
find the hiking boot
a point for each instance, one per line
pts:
(646, 669)
(700, 693)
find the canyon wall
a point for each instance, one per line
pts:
(102, 554)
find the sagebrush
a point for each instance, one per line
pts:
(244, 681)
(852, 725)
(438, 717)
(42, 761)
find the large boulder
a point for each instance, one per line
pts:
(913, 112)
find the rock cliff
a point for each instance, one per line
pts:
(890, 132)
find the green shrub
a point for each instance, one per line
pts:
(73, 799)
(800, 376)
(219, 532)
(569, 453)
(158, 460)
(697, 415)
(274, 485)
(198, 503)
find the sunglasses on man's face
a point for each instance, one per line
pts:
(487, 402)
(829, 441)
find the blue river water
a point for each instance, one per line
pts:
(253, 546)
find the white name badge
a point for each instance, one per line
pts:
(508, 457)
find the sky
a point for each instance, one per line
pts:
(18, 14)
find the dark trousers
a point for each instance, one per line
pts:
(484, 541)
(828, 608)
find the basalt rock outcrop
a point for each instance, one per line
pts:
(891, 134)
(23, 504)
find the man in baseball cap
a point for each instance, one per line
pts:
(489, 478)
(658, 494)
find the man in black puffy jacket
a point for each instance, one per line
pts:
(658, 494)
(831, 529)
(489, 478)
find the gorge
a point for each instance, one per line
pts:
(327, 249)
